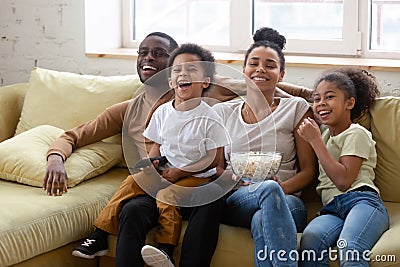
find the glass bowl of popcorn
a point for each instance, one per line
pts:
(255, 166)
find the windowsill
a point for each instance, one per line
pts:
(291, 61)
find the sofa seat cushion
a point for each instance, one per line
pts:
(33, 223)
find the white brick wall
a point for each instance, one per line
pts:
(51, 33)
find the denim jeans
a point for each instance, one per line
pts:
(353, 221)
(264, 208)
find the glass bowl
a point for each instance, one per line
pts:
(255, 166)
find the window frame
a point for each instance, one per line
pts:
(355, 42)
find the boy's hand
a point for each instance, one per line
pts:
(150, 169)
(171, 174)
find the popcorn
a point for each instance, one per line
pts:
(255, 166)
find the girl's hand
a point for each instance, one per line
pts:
(309, 130)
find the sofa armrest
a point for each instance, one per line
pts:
(11, 101)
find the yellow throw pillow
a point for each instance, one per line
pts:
(23, 157)
(385, 121)
(65, 100)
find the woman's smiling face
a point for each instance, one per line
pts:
(263, 67)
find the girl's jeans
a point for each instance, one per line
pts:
(353, 221)
(265, 209)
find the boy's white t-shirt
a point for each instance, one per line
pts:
(274, 133)
(186, 136)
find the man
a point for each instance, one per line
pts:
(138, 215)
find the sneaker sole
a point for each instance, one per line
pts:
(79, 254)
(155, 258)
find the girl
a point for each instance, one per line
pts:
(266, 123)
(353, 216)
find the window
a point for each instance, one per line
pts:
(319, 27)
(385, 20)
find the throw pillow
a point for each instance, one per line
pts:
(23, 157)
(65, 100)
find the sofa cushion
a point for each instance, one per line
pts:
(33, 223)
(385, 121)
(65, 100)
(23, 157)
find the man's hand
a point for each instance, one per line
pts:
(55, 180)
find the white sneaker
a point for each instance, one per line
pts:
(155, 257)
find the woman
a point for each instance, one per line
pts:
(272, 208)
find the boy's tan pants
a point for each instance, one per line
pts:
(170, 219)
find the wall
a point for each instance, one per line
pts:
(51, 34)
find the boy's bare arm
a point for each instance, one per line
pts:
(154, 151)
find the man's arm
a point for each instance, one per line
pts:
(296, 90)
(103, 126)
(226, 88)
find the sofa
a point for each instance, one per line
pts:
(39, 230)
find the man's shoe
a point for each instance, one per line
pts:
(94, 245)
(156, 257)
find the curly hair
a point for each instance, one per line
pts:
(365, 85)
(271, 35)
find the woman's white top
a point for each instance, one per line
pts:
(273, 133)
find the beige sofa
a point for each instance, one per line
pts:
(38, 230)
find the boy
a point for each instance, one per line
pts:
(188, 132)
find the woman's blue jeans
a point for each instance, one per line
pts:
(265, 209)
(353, 221)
